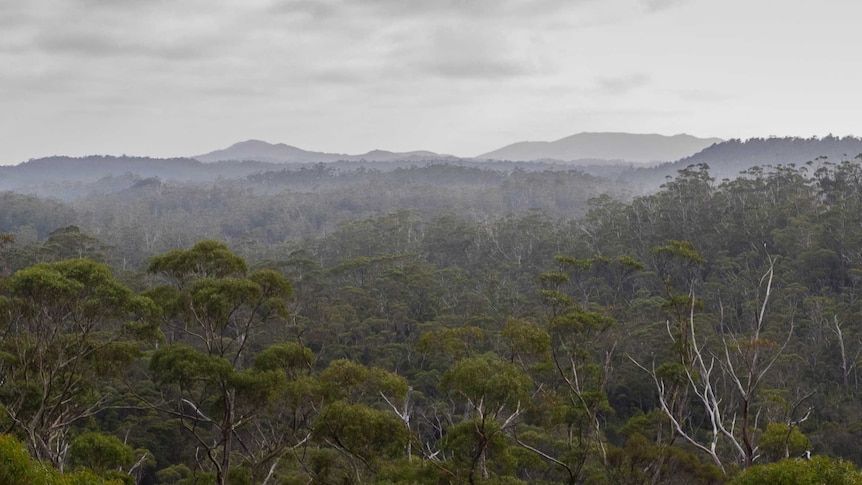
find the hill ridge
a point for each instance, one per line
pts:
(630, 147)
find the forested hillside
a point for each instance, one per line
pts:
(69, 178)
(436, 324)
(272, 212)
(728, 158)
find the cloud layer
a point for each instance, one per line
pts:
(165, 77)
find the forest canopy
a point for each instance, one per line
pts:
(498, 327)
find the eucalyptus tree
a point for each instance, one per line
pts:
(491, 394)
(579, 345)
(18, 467)
(215, 313)
(725, 376)
(65, 329)
(365, 419)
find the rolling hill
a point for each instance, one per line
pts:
(639, 148)
(262, 151)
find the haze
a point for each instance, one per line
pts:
(162, 78)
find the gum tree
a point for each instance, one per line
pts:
(215, 311)
(66, 328)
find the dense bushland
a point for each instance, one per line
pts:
(533, 331)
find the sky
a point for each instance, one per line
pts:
(167, 78)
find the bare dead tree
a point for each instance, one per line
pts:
(847, 365)
(743, 361)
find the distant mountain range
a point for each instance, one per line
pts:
(583, 148)
(638, 148)
(69, 177)
(261, 151)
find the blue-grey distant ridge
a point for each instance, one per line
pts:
(629, 147)
(261, 151)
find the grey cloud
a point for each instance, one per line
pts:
(473, 9)
(464, 51)
(322, 38)
(235, 91)
(470, 9)
(181, 30)
(317, 10)
(658, 5)
(621, 85)
(702, 95)
(122, 4)
(101, 44)
(613, 114)
(476, 68)
(274, 56)
(12, 17)
(340, 76)
(39, 84)
(87, 43)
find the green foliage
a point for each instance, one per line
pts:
(642, 461)
(341, 376)
(100, 452)
(81, 285)
(576, 321)
(388, 383)
(487, 381)
(554, 278)
(276, 288)
(17, 468)
(206, 259)
(174, 474)
(69, 242)
(680, 249)
(346, 379)
(466, 441)
(214, 314)
(526, 338)
(795, 471)
(113, 357)
(453, 342)
(291, 358)
(41, 215)
(415, 471)
(217, 301)
(572, 263)
(366, 433)
(781, 441)
(184, 366)
(672, 373)
(448, 334)
(240, 476)
(69, 327)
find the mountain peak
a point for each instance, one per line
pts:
(257, 144)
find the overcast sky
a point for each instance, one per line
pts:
(183, 77)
